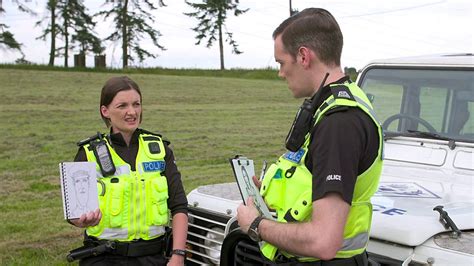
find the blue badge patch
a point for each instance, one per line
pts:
(154, 166)
(294, 156)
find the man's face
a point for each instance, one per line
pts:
(291, 70)
(81, 184)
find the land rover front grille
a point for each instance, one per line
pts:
(205, 237)
(247, 253)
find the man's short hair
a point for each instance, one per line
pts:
(316, 29)
(80, 174)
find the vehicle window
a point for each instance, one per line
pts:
(432, 107)
(435, 101)
(468, 129)
(386, 99)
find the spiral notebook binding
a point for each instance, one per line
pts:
(67, 172)
(64, 182)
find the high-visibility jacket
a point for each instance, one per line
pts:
(287, 185)
(133, 203)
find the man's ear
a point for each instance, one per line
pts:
(306, 56)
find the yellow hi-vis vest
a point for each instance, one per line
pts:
(287, 185)
(133, 203)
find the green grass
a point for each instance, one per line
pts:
(44, 113)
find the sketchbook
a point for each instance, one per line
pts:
(243, 171)
(78, 188)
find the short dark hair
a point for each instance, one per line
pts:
(316, 29)
(113, 86)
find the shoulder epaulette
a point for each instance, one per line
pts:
(164, 139)
(149, 132)
(341, 91)
(89, 139)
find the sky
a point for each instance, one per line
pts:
(372, 29)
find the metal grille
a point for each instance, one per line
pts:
(248, 253)
(205, 237)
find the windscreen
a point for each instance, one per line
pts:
(437, 101)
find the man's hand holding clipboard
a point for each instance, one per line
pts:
(244, 173)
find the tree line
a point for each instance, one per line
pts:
(133, 20)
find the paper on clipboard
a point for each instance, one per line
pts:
(243, 171)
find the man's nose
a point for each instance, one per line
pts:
(280, 74)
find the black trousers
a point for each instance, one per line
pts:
(358, 260)
(112, 260)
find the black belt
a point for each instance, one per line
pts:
(357, 260)
(135, 248)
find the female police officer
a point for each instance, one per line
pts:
(140, 184)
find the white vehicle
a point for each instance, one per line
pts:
(424, 208)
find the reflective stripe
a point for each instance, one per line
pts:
(357, 242)
(371, 111)
(122, 233)
(156, 231)
(114, 233)
(140, 169)
(358, 100)
(328, 103)
(122, 170)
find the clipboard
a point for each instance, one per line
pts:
(244, 169)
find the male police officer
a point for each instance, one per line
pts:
(321, 188)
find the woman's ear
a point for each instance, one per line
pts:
(104, 111)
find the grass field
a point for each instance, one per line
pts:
(44, 113)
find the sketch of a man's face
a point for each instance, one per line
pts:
(81, 183)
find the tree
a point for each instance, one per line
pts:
(51, 29)
(7, 38)
(132, 23)
(66, 17)
(87, 41)
(212, 15)
(75, 17)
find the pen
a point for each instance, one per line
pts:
(264, 168)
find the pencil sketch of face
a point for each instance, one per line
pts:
(81, 183)
(248, 186)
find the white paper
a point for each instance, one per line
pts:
(78, 188)
(243, 171)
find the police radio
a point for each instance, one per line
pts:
(303, 121)
(104, 159)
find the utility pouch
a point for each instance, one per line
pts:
(273, 187)
(301, 208)
(116, 202)
(157, 208)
